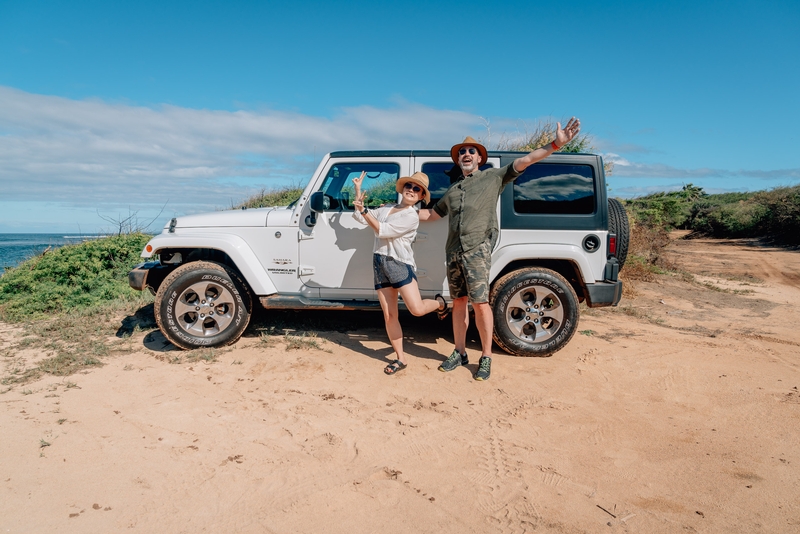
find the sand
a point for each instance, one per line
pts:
(679, 411)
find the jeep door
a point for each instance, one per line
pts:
(336, 253)
(429, 252)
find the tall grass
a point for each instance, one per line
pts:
(271, 197)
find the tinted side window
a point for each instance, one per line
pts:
(379, 184)
(553, 188)
(440, 175)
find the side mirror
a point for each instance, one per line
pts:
(319, 202)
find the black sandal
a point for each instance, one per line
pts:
(394, 367)
(444, 312)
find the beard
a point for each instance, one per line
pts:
(467, 168)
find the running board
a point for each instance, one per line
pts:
(296, 302)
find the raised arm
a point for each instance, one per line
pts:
(562, 138)
(358, 204)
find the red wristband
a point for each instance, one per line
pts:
(554, 145)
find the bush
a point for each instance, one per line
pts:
(72, 277)
(774, 215)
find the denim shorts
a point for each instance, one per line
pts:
(391, 273)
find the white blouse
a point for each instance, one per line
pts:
(397, 232)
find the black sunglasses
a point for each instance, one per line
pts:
(415, 188)
(464, 151)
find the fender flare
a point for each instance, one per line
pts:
(502, 256)
(234, 246)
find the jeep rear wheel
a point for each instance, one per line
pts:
(203, 304)
(535, 312)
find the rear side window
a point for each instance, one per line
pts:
(554, 188)
(440, 175)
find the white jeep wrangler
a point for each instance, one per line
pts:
(562, 241)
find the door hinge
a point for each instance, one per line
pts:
(301, 235)
(303, 270)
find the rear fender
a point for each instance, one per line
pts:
(505, 255)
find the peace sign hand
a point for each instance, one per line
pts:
(357, 182)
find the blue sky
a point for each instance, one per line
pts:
(165, 108)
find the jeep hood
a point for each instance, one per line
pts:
(224, 219)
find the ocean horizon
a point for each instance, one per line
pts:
(16, 248)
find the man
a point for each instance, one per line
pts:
(471, 204)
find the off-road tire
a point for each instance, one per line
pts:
(618, 224)
(535, 312)
(203, 304)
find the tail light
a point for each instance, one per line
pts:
(612, 244)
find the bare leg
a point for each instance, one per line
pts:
(388, 299)
(414, 302)
(484, 320)
(460, 323)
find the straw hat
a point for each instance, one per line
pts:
(469, 141)
(419, 178)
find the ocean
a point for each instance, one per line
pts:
(16, 248)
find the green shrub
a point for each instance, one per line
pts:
(667, 210)
(72, 277)
(774, 215)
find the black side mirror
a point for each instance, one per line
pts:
(319, 202)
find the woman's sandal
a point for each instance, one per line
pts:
(394, 367)
(445, 311)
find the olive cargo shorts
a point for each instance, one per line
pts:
(468, 273)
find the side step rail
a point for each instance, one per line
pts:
(297, 302)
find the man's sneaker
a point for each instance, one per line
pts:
(453, 361)
(484, 368)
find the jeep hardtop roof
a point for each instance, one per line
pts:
(432, 153)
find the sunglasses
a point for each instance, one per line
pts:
(465, 150)
(415, 188)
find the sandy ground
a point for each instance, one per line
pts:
(679, 411)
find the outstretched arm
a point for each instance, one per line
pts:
(428, 216)
(562, 138)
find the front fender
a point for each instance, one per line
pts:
(505, 255)
(234, 246)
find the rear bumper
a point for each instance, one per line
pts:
(603, 294)
(148, 275)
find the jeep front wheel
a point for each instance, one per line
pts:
(535, 312)
(203, 304)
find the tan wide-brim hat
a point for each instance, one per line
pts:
(419, 178)
(469, 141)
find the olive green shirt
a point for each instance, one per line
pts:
(471, 204)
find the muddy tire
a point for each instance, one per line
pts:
(618, 224)
(203, 304)
(535, 312)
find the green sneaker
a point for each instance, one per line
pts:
(453, 361)
(484, 368)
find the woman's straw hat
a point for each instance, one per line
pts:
(469, 141)
(419, 178)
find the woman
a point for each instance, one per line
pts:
(395, 228)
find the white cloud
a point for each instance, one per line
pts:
(627, 168)
(92, 152)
